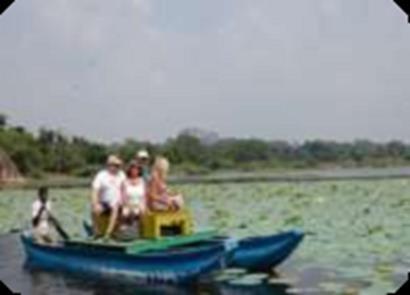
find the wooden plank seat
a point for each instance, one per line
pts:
(143, 245)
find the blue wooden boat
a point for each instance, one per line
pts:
(261, 253)
(176, 261)
(265, 253)
(175, 265)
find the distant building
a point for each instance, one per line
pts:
(8, 170)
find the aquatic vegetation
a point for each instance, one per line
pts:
(357, 228)
(249, 279)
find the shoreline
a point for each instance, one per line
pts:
(306, 175)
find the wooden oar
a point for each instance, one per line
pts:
(88, 228)
(59, 228)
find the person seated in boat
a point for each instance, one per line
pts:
(41, 218)
(143, 160)
(106, 196)
(159, 197)
(133, 204)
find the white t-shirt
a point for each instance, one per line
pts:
(42, 225)
(135, 193)
(109, 186)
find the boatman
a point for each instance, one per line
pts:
(106, 196)
(41, 215)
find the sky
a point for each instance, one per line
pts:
(146, 69)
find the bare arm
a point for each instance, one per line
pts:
(152, 193)
(95, 193)
(157, 195)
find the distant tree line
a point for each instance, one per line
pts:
(50, 151)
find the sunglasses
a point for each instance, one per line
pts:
(114, 165)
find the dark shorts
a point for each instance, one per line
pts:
(106, 208)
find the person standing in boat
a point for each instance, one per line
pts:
(133, 204)
(106, 196)
(143, 160)
(41, 213)
(159, 197)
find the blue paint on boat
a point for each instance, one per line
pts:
(265, 253)
(260, 253)
(172, 266)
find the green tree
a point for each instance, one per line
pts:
(3, 121)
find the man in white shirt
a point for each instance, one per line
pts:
(41, 215)
(106, 196)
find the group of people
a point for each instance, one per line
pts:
(120, 194)
(123, 196)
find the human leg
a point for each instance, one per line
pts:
(112, 220)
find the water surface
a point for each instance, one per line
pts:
(356, 237)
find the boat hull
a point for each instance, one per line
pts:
(173, 266)
(265, 253)
(261, 253)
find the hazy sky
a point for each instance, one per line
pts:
(277, 69)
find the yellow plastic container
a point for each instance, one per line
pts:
(154, 222)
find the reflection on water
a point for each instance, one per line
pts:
(302, 279)
(47, 283)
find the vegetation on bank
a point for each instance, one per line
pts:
(192, 152)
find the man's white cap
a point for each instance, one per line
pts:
(142, 154)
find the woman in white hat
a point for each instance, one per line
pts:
(106, 196)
